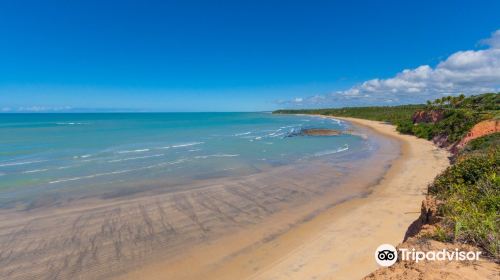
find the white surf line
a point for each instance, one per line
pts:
(66, 167)
(35, 171)
(186, 144)
(164, 148)
(90, 176)
(329, 152)
(116, 172)
(133, 158)
(20, 163)
(82, 156)
(216, 155)
(47, 169)
(134, 151)
(243, 133)
(160, 148)
(71, 123)
(337, 121)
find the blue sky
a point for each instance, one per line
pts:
(228, 55)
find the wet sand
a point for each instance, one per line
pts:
(288, 222)
(335, 243)
(188, 231)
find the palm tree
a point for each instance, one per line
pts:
(449, 99)
(429, 104)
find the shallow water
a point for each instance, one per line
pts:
(108, 193)
(66, 156)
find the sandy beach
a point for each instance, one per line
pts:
(317, 220)
(339, 242)
(174, 140)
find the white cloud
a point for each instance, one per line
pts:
(493, 41)
(468, 72)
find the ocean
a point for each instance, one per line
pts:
(67, 156)
(96, 195)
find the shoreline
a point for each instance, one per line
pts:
(314, 219)
(391, 210)
(190, 232)
(311, 249)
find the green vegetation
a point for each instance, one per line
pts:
(470, 195)
(481, 145)
(469, 190)
(483, 102)
(456, 115)
(390, 114)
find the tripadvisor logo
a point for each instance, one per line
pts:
(387, 255)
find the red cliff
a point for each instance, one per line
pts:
(432, 116)
(481, 129)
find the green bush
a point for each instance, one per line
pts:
(467, 171)
(470, 191)
(405, 127)
(424, 130)
(481, 145)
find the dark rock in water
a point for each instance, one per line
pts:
(321, 132)
(315, 132)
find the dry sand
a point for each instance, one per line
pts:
(337, 243)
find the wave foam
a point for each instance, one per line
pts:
(34, 171)
(217, 155)
(71, 123)
(90, 176)
(133, 158)
(187, 144)
(116, 172)
(337, 121)
(21, 163)
(82, 156)
(65, 167)
(134, 151)
(329, 152)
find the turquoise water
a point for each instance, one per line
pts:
(69, 154)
